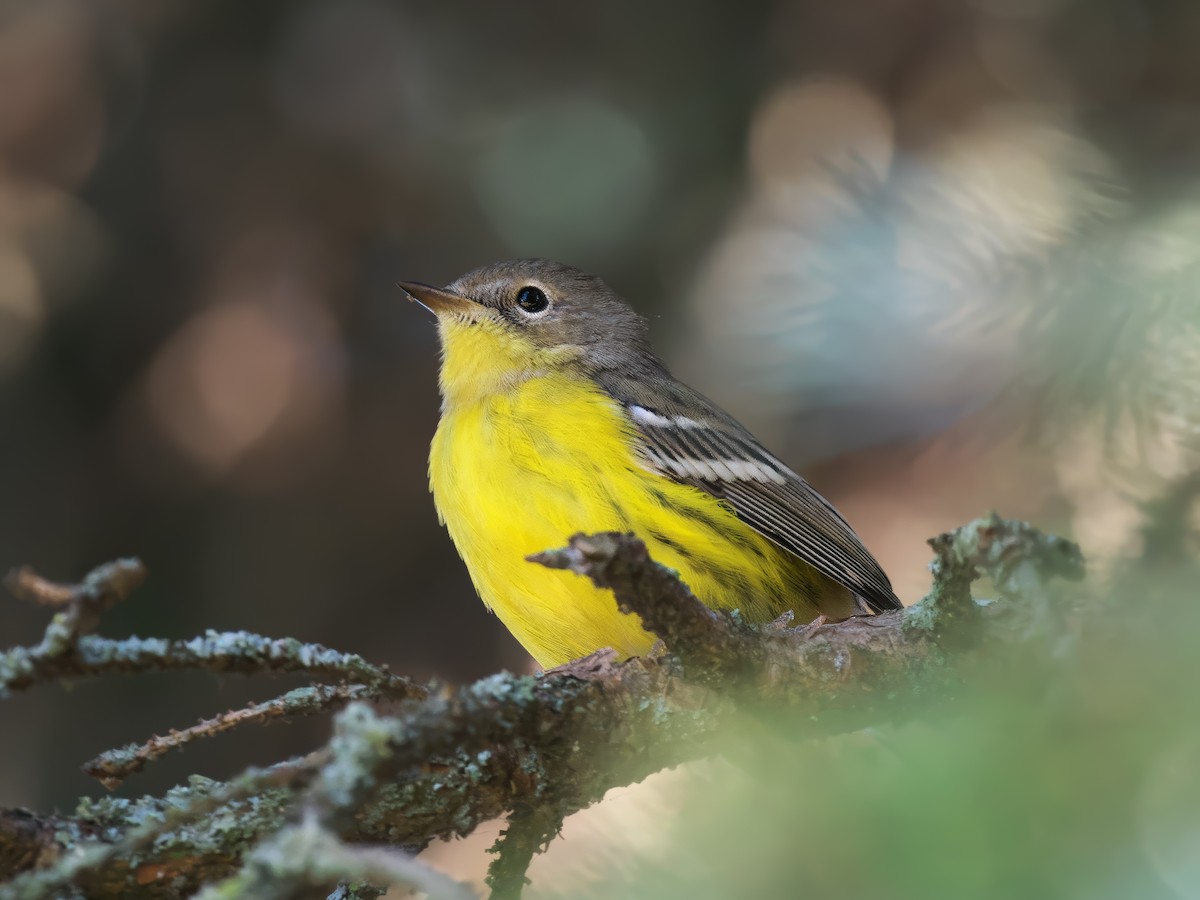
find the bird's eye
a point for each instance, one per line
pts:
(531, 299)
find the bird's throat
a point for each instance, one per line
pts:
(481, 360)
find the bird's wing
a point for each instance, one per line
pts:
(691, 440)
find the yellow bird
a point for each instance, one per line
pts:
(557, 417)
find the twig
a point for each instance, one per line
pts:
(85, 859)
(707, 642)
(361, 745)
(100, 590)
(1015, 555)
(114, 766)
(530, 829)
(226, 652)
(103, 587)
(69, 650)
(307, 855)
(26, 584)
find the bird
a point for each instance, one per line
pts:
(557, 417)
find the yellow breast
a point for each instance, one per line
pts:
(518, 470)
(519, 473)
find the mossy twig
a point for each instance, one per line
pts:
(710, 645)
(301, 857)
(84, 859)
(114, 766)
(82, 605)
(237, 652)
(530, 829)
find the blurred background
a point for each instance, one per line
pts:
(941, 255)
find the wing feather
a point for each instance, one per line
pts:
(691, 440)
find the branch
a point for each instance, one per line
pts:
(530, 830)
(632, 728)
(114, 766)
(706, 642)
(68, 650)
(1018, 559)
(100, 590)
(102, 856)
(238, 652)
(556, 742)
(307, 856)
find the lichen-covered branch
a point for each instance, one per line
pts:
(544, 745)
(1018, 559)
(114, 766)
(82, 604)
(100, 590)
(98, 854)
(531, 827)
(708, 644)
(639, 719)
(67, 650)
(305, 856)
(238, 652)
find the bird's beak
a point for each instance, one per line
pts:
(439, 300)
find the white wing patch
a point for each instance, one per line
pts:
(753, 470)
(644, 416)
(649, 417)
(716, 469)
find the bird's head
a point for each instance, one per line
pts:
(504, 323)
